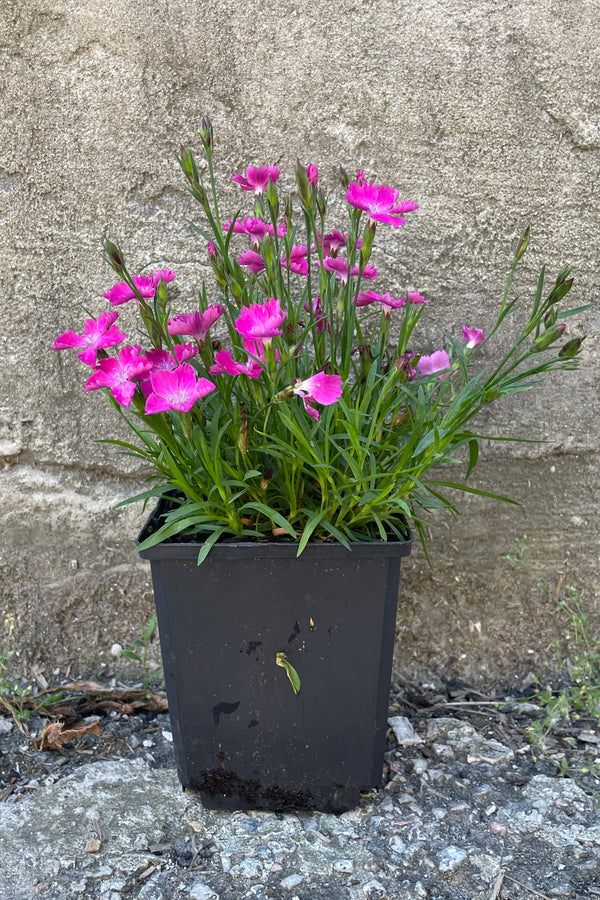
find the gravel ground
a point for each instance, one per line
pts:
(465, 811)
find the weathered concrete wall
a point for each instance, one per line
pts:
(485, 113)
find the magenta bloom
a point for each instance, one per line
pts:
(321, 322)
(212, 251)
(254, 228)
(333, 242)
(320, 388)
(312, 173)
(184, 352)
(121, 292)
(379, 202)
(365, 298)
(97, 334)
(226, 365)
(119, 374)
(257, 179)
(339, 265)
(253, 260)
(437, 362)
(404, 364)
(298, 262)
(473, 336)
(162, 275)
(177, 389)
(195, 324)
(260, 322)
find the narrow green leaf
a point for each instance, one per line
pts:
(282, 660)
(209, 544)
(473, 455)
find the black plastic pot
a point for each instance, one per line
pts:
(242, 737)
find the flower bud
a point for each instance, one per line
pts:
(321, 203)
(571, 348)
(272, 198)
(548, 337)
(113, 252)
(206, 134)
(161, 294)
(266, 479)
(343, 177)
(303, 185)
(243, 437)
(367, 243)
(550, 317)
(188, 164)
(522, 245)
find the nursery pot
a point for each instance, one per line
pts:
(242, 737)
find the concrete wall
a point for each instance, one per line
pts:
(486, 113)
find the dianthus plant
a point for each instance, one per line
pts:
(295, 400)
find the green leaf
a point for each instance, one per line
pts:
(470, 490)
(313, 523)
(473, 455)
(131, 655)
(209, 544)
(282, 660)
(270, 514)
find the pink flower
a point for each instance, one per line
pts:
(226, 365)
(119, 374)
(161, 275)
(333, 242)
(121, 292)
(195, 324)
(212, 250)
(312, 173)
(366, 297)
(177, 389)
(255, 228)
(317, 311)
(161, 360)
(379, 202)
(437, 362)
(473, 336)
(260, 322)
(97, 334)
(404, 364)
(184, 352)
(298, 262)
(253, 260)
(339, 265)
(319, 388)
(257, 179)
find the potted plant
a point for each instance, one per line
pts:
(292, 428)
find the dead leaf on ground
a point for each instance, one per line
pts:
(55, 735)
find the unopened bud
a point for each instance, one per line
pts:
(206, 133)
(321, 203)
(243, 438)
(522, 245)
(303, 185)
(272, 198)
(188, 164)
(550, 317)
(161, 294)
(114, 255)
(343, 177)
(548, 337)
(571, 348)
(367, 243)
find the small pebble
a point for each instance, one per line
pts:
(291, 882)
